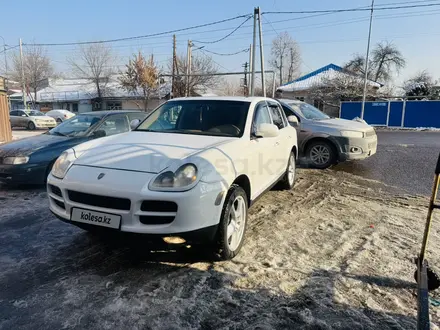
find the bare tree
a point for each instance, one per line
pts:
(203, 65)
(36, 66)
(421, 86)
(286, 57)
(385, 58)
(140, 77)
(231, 88)
(94, 62)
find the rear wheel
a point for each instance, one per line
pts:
(31, 126)
(321, 154)
(233, 222)
(288, 180)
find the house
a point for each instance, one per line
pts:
(304, 88)
(80, 95)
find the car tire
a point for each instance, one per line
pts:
(59, 121)
(321, 154)
(31, 126)
(288, 180)
(233, 217)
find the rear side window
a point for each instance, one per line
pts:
(277, 117)
(13, 113)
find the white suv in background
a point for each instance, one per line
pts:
(187, 173)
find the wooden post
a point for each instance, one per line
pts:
(5, 124)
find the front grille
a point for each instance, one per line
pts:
(155, 220)
(59, 204)
(115, 203)
(55, 190)
(370, 133)
(158, 206)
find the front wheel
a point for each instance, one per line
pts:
(321, 154)
(233, 222)
(31, 126)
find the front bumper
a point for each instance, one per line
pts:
(197, 208)
(23, 174)
(357, 148)
(45, 125)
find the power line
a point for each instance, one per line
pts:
(229, 34)
(143, 36)
(229, 54)
(350, 9)
(204, 53)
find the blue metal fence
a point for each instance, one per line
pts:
(395, 113)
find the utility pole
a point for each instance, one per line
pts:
(250, 68)
(174, 66)
(188, 68)
(245, 82)
(263, 82)
(366, 61)
(281, 69)
(23, 88)
(254, 45)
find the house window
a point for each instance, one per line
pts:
(113, 105)
(74, 107)
(301, 98)
(318, 104)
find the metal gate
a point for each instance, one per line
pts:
(410, 114)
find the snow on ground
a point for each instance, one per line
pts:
(18, 134)
(334, 253)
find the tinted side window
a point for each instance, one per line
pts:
(277, 117)
(288, 112)
(13, 113)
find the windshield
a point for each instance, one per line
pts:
(308, 111)
(34, 113)
(76, 126)
(203, 117)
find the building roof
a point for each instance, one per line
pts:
(314, 78)
(67, 89)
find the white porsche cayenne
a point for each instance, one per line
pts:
(186, 174)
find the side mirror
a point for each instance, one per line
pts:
(24, 115)
(267, 130)
(99, 134)
(134, 123)
(293, 121)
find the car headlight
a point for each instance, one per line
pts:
(15, 160)
(184, 178)
(352, 134)
(63, 163)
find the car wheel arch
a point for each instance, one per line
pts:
(244, 182)
(321, 138)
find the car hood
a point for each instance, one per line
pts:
(144, 151)
(338, 123)
(26, 146)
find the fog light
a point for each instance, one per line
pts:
(355, 150)
(173, 240)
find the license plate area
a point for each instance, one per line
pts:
(95, 218)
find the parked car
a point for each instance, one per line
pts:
(60, 115)
(30, 160)
(187, 173)
(324, 140)
(31, 119)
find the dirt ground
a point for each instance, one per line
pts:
(334, 253)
